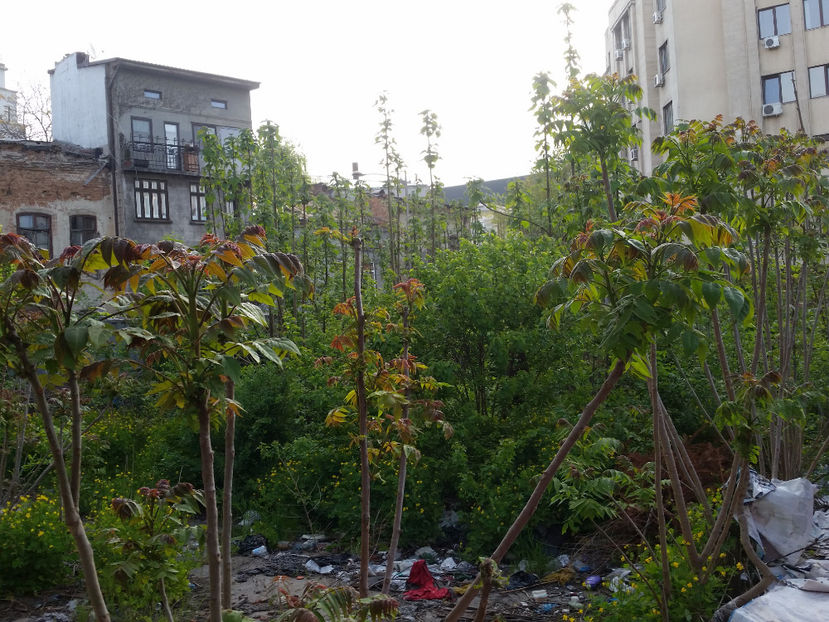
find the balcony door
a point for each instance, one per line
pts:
(172, 149)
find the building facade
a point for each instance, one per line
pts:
(55, 194)
(146, 118)
(10, 128)
(765, 60)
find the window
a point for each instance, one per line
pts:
(219, 103)
(150, 94)
(664, 59)
(816, 13)
(151, 199)
(775, 20)
(621, 33)
(199, 128)
(660, 5)
(778, 88)
(668, 117)
(37, 228)
(819, 81)
(198, 203)
(82, 229)
(171, 145)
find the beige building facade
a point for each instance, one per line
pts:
(765, 60)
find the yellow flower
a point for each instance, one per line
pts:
(740, 566)
(675, 564)
(683, 589)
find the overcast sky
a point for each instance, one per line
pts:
(322, 63)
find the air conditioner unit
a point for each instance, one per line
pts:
(658, 16)
(620, 55)
(659, 80)
(771, 42)
(625, 44)
(634, 154)
(772, 110)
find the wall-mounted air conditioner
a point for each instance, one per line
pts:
(772, 110)
(771, 42)
(658, 16)
(634, 154)
(659, 80)
(625, 44)
(620, 55)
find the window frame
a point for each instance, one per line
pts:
(825, 70)
(668, 113)
(779, 78)
(664, 58)
(83, 231)
(199, 193)
(219, 104)
(775, 28)
(35, 215)
(822, 14)
(142, 209)
(152, 94)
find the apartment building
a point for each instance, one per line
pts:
(146, 119)
(10, 128)
(765, 60)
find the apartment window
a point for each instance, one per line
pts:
(778, 88)
(37, 228)
(621, 33)
(171, 145)
(664, 59)
(668, 117)
(816, 13)
(660, 5)
(219, 103)
(151, 199)
(775, 20)
(198, 203)
(82, 229)
(150, 94)
(819, 81)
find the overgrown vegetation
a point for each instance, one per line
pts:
(604, 326)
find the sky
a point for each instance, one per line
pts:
(322, 64)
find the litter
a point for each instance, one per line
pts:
(424, 584)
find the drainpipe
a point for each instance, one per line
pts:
(110, 80)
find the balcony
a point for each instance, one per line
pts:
(159, 156)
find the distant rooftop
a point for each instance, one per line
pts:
(83, 61)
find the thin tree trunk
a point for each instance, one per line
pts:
(362, 411)
(227, 498)
(77, 442)
(398, 519)
(214, 555)
(535, 498)
(70, 513)
(726, 373)
(611, 209)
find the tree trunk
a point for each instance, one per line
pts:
(70, 513)
(77, 438)
(611, 209)
(227, 498)
(398, 519)
(362, 411)
(214, 555)
(532, 503)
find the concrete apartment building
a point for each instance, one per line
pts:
(10, 129)
(145, 119)
(765, 60)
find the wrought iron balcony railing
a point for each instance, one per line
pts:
(160, 156)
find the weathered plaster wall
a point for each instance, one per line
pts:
(79, 110)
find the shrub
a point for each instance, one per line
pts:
(36, 546)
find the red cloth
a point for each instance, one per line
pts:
(425, 589)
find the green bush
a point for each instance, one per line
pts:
(37, 550)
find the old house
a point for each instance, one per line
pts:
(146, 118)
(54, 194)
(10, 127)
